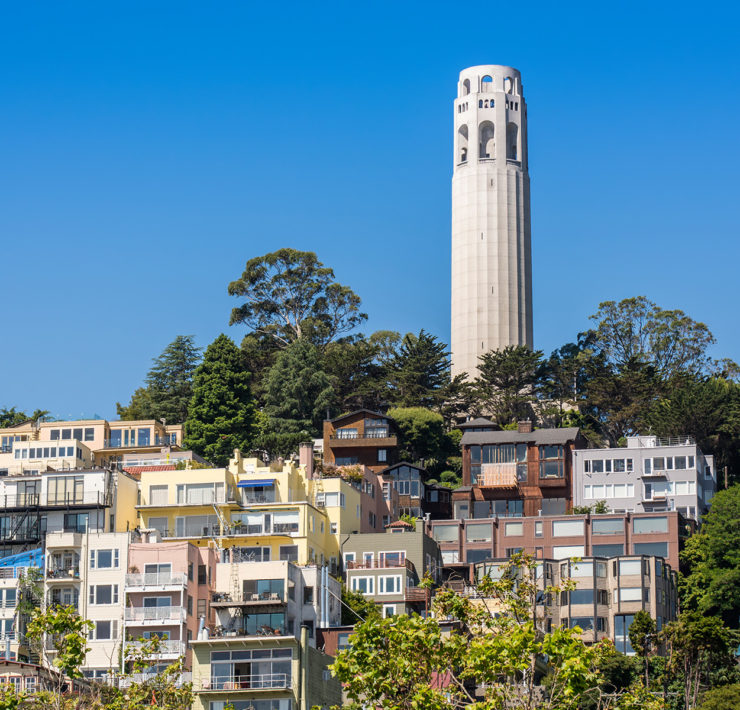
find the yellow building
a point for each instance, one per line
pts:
(252, 511)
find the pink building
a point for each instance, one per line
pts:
(168, 593)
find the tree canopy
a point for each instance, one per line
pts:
(168, 386)
(289, 295)
(221, 414)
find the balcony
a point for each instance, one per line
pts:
(23, 500)
(380, 439)
(154, 581)
(167, 648)
(380, 563)
(266, 681)
(224, 601)
(64, 540)
(152, 615)
(137, 678)
(148, 441)
(63, 574)
(89, 499)
(498, 475)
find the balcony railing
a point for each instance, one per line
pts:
(498, 475)
(93, 498)
(138, 678)
(149, 441)
(266, 681)
(380, 563)
(418, 594)
(154, 579)
(365, 435)
(22, 500)
(155, 613)
(63, 572)
(265, 598)
(167, 647)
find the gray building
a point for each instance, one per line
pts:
(389, 567)
(650, 474)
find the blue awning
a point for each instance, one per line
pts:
(255, 483)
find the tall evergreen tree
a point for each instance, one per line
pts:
(298, 391)
(509, 381)
(169, 384)
(419, 372)
(221, 415)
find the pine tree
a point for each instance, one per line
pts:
(169, 384)
(221, 415)
(419, 371)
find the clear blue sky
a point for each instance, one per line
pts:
(148, 149)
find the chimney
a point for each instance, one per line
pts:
(305, 457)
(524, 426)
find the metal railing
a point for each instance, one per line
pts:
(365, 435)
(378, 563)
(265, 681)
(248, 598)
(155, 613)
(138, 678)
(63, 572)
(168, 647)
(154, 579)
(89, 498)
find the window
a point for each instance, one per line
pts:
(104, 594)
(473, 556)
(65, 489)
(658, 549)
(202, 575)
(190, 605)
(630, 594)
(609, 526)
(650, 525)
(364, 585)
(567, 528)
(346, 460)
(560, 552)
(513, 529)
(389, 584)
(538, 528)
(389, 610)
(75, 522)
(622, 623)
(627, 567)
(581, 596)
(607, 550)
(446, 533)
(382, 455)
(479, 532)
(104, 631)
(104, 559)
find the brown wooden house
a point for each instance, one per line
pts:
(362, 437)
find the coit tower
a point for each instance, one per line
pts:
(491, 242)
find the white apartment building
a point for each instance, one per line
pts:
(650, 474)
(87, 570)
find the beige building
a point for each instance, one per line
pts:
(491, 243)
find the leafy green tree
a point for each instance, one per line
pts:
(712, 585)
(169, 384)
(497, 647)
(419, 372)
(619, 400)
(357, 608)
(12, 416)
(636, 329)
(423, 436)
(509, 382)
(725, 698)
(696, 644)
(221, 415)
(297, 390)
(290, 294)
(67, 631)
(642, 635)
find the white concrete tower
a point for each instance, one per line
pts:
(491, 242)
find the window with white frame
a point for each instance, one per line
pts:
(104, 559)
(104, 631)
(103, 594)
(364, 585)
(389, 584)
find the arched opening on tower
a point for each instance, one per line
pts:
(512, 139)
(509, 85)
(462, 144)
(487, 148)
(486, 84)
(466, 87)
